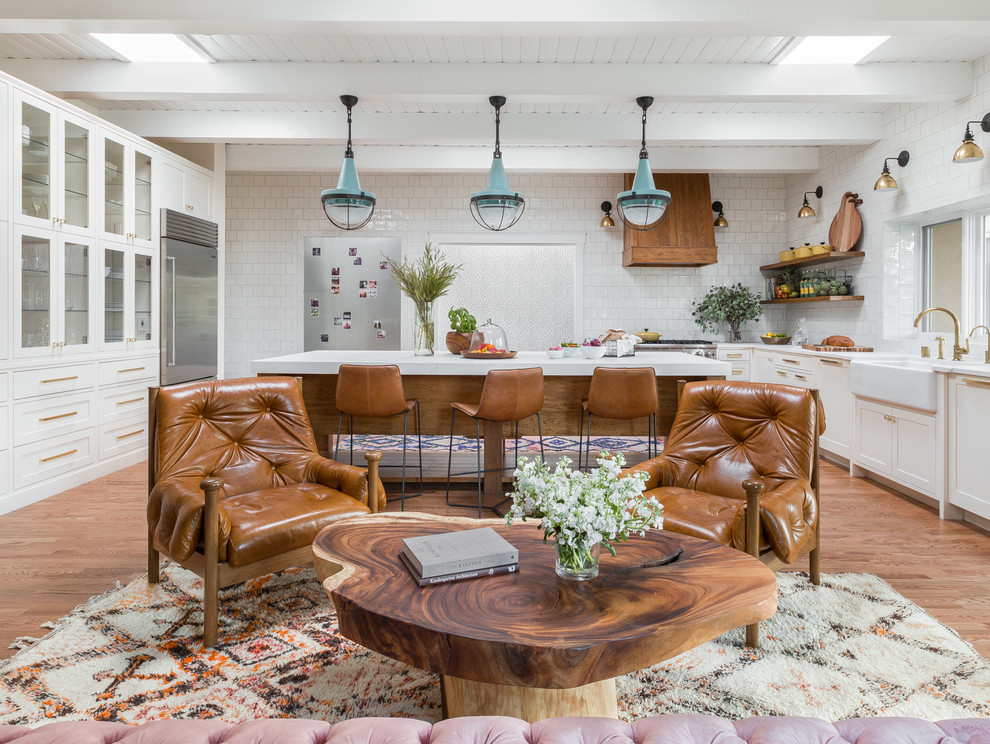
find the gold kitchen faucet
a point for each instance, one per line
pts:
(957, 350)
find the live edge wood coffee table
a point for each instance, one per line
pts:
(529, 644)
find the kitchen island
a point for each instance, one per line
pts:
(443, 378)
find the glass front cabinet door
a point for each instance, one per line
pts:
(56, 287)
(127, 184)
(130, 298)
(54, 160)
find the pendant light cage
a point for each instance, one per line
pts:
(644, 206)
(497, 207)
(348, 206)
(969, 151)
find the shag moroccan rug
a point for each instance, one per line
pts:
(851, 647)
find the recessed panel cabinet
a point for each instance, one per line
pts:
(832, 378)
(129, 298)
(969, 412)
(127, 192)
(896, 443)
(185, 190)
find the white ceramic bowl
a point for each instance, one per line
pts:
(555, 353)
(572, 351)
(593, 352)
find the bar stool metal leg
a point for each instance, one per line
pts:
(336, 445)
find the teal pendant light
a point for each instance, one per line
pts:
(347, 206)
(644, 206)
(497, 207)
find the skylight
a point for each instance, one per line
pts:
(830, 50)
(150, 47)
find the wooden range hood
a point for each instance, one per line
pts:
(686, 237)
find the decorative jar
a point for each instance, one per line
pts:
(577, 564)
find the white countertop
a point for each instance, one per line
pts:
(666, 364)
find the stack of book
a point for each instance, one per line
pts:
(455, 556)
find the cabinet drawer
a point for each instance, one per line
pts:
(734, 355)
(51, 457)
(123, 436)
(121, 403)
(794, 377)
(64, 379)
(129, 370)
(794, 362)
(4, 387)
(4, 421)
(54, 415)
(739, 371)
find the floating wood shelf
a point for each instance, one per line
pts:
(825, 258)
(828, 298)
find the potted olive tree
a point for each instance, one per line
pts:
(733, 304)
(462, 327)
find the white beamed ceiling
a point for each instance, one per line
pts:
(570, 71)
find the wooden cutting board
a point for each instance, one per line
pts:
(847, 225)
(816, 347)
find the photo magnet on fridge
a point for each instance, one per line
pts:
(352, 251)
(337, 320)
(325, 338)
(363, 284)
(335, 280)
(347, 315)
(357, 261)
(373, 284)
(315, 312)
(335, 289)
(383, 265)
(381, 333)
(335, 271)
(347, 325)
(314, 303)
(316, 250)
(363, 294)
(372, 293)
(377, 324)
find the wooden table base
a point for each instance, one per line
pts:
(462, 697)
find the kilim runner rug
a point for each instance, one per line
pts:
(851, 647)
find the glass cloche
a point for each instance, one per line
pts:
(489, 333)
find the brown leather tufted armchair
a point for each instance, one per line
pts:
(236, 487)
(740, 467)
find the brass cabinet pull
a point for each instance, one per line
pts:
(733, 356)
(833, 362)
(59, 416)
(977, 381)
(55, 457)
(60, 379)
(736, 372)
(781, 374)
(131, 369)
(132, 434)
(800, 377)
(128, 402)
(790, 361)
(888, 417)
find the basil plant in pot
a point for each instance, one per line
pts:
(733, 304)
(462, 327)
(423, 281)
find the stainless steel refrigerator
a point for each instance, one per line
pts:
(190, 292)
(350, 300)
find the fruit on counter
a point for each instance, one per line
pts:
(774, 335)
(592, 342)
(838, 341)
(570, 344)
(556, 348)
(488, 349)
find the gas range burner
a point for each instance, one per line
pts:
(695, 346)
(681, 342)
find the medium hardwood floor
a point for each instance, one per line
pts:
(59, 552)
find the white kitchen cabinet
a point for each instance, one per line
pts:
(54, 156)
(6, 166)
(4, 288)
(185, 190)
(56, 289)
(127, 192)
(762, 366)
(969, 412)
(129, 298)
(739, 359)
(896, 443)
(832, 379)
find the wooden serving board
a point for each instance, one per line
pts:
(488, 354)
(847, 225)
(819, 347)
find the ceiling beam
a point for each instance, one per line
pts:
(312, 81)
(525, 159)
(533, 129)
(516, 17)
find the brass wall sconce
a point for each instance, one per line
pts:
(886, 181)
(607, 220)
(720, 221)
(969, 151)
(806, 210)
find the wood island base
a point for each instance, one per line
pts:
(463, 697)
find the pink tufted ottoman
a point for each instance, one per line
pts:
(670, 729)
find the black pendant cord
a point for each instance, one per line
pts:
(642, 153)
(498, 120)
(349, 153)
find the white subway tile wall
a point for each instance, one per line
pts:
(268, 214)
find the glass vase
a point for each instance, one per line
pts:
(424, 329)
(577, 564)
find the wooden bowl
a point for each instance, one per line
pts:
(458, 342)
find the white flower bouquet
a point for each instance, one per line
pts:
(581, 511)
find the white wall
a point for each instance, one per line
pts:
(930, 183)
(268, 214)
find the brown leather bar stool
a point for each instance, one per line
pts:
(620, 393)
(508, 395)
(375, 391)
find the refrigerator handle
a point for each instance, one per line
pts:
(170, 314)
